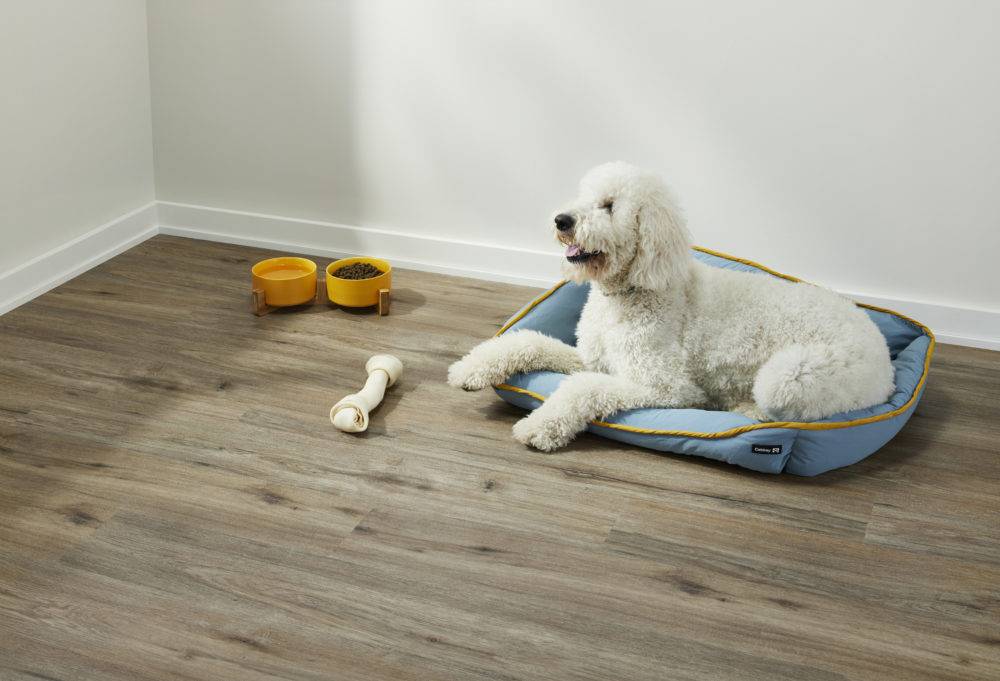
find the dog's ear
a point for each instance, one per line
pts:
(663, 255)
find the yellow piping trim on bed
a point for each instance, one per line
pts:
(530, 306)
(832, 425)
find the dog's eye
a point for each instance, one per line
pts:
(608, 205)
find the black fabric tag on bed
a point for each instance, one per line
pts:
(766, 449)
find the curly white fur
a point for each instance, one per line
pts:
(661, 329)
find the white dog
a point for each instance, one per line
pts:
(661, 329)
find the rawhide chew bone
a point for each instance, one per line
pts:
(351, 413)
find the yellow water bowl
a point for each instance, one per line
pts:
(357, 292)
(285, 281)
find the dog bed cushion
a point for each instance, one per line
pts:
(801, 448)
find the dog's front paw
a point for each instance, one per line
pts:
(468, 374)
(546, 434)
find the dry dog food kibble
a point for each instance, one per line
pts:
(358, 270)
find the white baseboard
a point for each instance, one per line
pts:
(960, 326)
(38, 275)
(331, 240)
(970, 327)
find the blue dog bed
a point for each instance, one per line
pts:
(771, 447)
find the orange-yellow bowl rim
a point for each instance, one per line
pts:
(306, 266)
(377, 262)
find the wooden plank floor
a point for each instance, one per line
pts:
(174, 504)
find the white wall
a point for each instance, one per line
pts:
(251, 105)
(850, 142)
(75, 137)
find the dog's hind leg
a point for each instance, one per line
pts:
(494, 360)
(581, 398)
(809, 382)
(750, 410)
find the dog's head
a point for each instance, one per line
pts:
(624, 230)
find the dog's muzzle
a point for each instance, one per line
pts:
(575, 254)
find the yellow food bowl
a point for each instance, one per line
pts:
(357, 292)
(285, 281)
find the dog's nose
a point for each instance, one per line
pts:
(564, 221)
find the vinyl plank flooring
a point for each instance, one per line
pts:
(175, 505)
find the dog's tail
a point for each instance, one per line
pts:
(809, 382)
